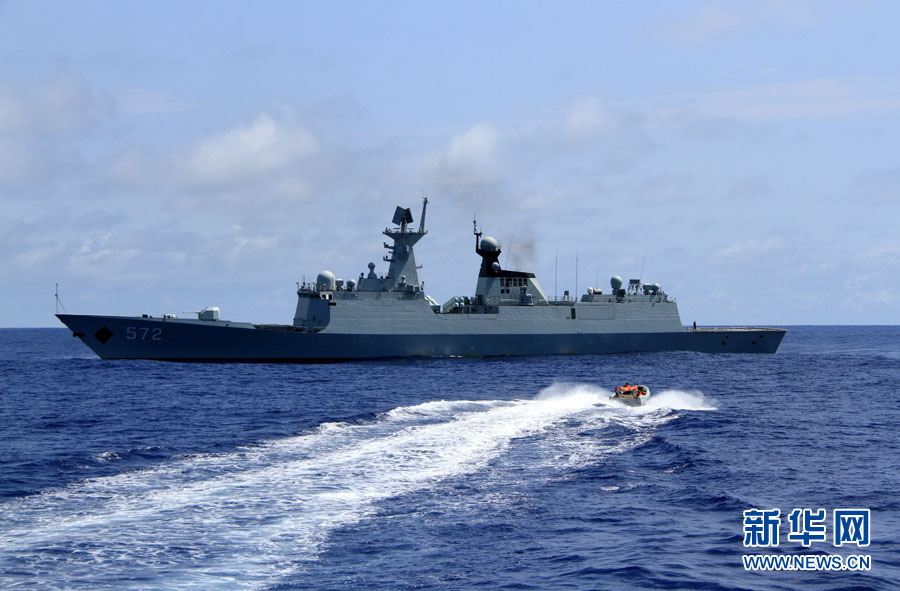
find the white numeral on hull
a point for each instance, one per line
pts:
(143, 333)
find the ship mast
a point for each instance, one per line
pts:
(422, 219)
(475, 231)
(402, 270)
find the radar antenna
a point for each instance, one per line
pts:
(475, 230)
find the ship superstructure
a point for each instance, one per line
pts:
(390, 315)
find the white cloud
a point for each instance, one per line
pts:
(883, 251)
(16, 162)
(710, 21)
(253, 169)
(587, 134)
(587, 116)
(101, 253)
(140, 100)
(476, 148)
(807, 99)
(254, 244)
(472, 165)
(715, 20)
(65, 105)
(752, 247)
(246, 153)
(135, 167)
(14, 111)
(664, 189)
(41, 128)
(876, 186)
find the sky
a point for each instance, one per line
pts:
(162, 157)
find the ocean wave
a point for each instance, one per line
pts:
(255, 506)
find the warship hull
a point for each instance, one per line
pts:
(121, 337)
(388, 315)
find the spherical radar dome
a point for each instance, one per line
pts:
(490, 244)
(325, 281)
(615, 282)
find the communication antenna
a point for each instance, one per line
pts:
(576, 275)
(509, 247)
(475, 230)
(58, 301)
(642, 266)
(555, 273)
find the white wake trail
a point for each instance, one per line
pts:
(243, 519)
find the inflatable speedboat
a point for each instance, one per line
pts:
(631, 395)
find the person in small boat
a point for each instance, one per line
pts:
(628, 389)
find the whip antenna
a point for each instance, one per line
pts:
(58, 301)
(509, 247)
(576, 274)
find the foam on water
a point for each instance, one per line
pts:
(569, 449)
(680, 400)
(247, 518)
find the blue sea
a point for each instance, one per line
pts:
(445, 473)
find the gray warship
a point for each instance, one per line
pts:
(389, 315)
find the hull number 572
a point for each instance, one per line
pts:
(143, 333)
